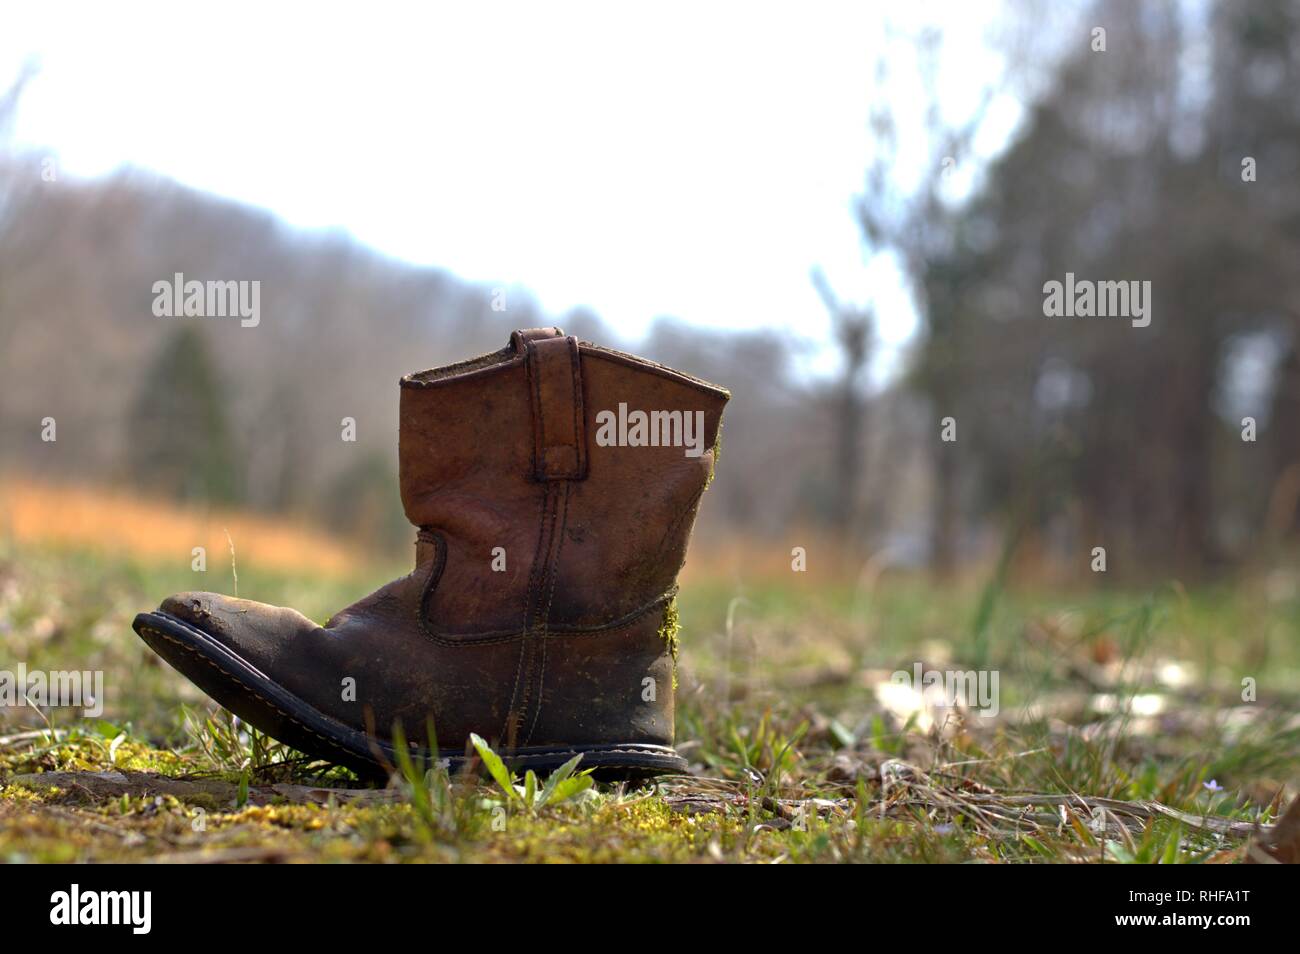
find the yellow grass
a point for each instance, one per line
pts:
(150, 530)
(741, 557)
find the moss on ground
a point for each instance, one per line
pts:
(1118, 712)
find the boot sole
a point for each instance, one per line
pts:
(251, 695)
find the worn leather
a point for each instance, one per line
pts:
(500, 452)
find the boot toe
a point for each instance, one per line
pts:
(257, 632)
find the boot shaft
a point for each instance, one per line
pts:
(559, 482)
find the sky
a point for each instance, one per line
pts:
(685, 160)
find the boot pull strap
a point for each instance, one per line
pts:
(519, 339)
(559, 426)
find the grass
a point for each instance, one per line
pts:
(113, 522)
(1122, 734)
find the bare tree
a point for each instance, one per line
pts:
(915, 227)
(854, 329)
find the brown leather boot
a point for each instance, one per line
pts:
(553, 520)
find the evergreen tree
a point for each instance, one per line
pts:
(181, 444)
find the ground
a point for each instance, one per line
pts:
(1132, 725)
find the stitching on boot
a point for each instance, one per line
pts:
(660, 370)
(687, 513)
(547, 397)
(496, 637)
(535, 638)
(539, 417)
(232, 678)
(528, 601)
(579, 436)
(436, 567)
(546, 611)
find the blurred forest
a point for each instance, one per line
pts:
(1176, 163)
(1070, 434)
